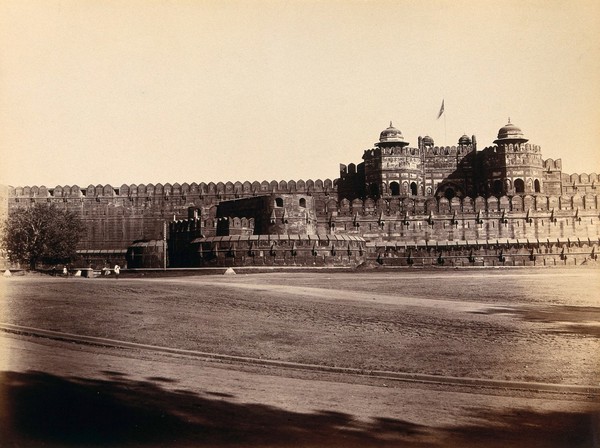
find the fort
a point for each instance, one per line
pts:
(402, 205)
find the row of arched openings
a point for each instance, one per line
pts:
(518, 184)
(395, 189)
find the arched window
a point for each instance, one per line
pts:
(413, 188)
(497, 187)
(536, 186)
(302, 202)
(395, 188)
(449, 193)
(278, 202)
(519, 186)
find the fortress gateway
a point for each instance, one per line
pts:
(402, 205)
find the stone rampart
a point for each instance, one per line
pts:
(117, 216)
(507, 253)
(224, 190)
(431, 219)
(280, 250)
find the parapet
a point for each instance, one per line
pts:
(433, 151)
(580, 179)
(423, 205)
(551, 164)
(221, 188)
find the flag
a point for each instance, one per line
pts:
(441, 112)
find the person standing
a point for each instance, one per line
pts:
(117, 270)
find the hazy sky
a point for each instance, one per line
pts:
(97, 92)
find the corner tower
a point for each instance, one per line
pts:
(392, 168)
(514, 166)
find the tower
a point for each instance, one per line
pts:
(514, 166)
(392, 168)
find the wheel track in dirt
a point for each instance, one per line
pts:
(589, 390)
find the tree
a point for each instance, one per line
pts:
(41, 233)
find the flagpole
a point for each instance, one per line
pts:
(445, 140)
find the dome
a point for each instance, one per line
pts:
(510, 134)
(427, 141)
(391, 135)
(464, 140)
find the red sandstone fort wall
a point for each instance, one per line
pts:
(115, 217)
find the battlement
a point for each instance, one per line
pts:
(148, 190)
(551, 164)
(425, 205)
(239, 223)
(580, 179)
(348, 169)
(432, 151)
(394, 150)
(513, 147)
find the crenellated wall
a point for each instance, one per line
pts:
(438, 219)
(579, 183)
(223, 190)
(280, 250)
(117, 216)
(492, 253)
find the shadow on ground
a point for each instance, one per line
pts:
(579, 320)
(39, 409)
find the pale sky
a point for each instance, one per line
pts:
(148, 91)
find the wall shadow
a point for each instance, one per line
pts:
(569, 319)
(39, 409)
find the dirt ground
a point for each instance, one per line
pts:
(537, 326)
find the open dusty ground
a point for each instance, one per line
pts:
(529, 326)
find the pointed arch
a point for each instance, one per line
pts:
(413, 189)
(519, 186)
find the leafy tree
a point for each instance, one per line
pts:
(41, 233)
